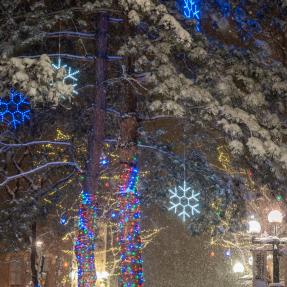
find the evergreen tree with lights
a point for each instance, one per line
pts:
(174, 73)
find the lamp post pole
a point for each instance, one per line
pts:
(274, 217)
(276, 272)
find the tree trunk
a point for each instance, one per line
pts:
(96, 137)
(129, 237)
(34, 255)
(85, 243)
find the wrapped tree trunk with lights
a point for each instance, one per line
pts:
(129, 233)
(85, 243)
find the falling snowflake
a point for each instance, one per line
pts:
(16, 110)
(71, 76)
(191, 11)
(184, 201)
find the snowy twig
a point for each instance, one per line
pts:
(155, 148)
(5, 146)
(38, 195)
(73, 57)
(142, 118)
(37, 169)
(159, 117)
(70, 34)
(64, 56)
(84, 10)
(21, 172)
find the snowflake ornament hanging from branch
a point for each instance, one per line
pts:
(184, 201)
(71, 75)
(15, 110)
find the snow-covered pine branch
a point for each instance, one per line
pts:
(36, 78)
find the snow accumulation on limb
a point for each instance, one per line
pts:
(37, 169)
(36, 78)
(243, 96)
(5, 146)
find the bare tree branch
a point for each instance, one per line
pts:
(5, 146)
(85, 58)
(21, 172)
(154, 148)
(70, 34)
(37, 169)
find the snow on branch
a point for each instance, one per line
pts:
(4, 146)
(37, 169)
(154, 148)
(70, 34)
(73, 57)
(63, 56)
(37, 79)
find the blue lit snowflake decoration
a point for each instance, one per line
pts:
(63, 219)
(71, 75)
(184, 201)
(191, 11)
(104, 160)
(16, 110)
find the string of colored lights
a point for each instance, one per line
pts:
(85, 242)
(129, 237)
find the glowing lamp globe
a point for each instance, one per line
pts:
(275, 216)
(254, 226)
(238, 268)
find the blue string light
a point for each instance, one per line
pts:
(71, 75)
(63, 219)
(104, 161)
(227, 253)
(16, 110)
(191, 11)
(245, 26)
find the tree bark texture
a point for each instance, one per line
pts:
(96, 137)
(34, 255)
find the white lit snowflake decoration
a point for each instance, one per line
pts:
(71, 75)
(184, 201)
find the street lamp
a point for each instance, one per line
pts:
(254, 227)
(274, 217)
